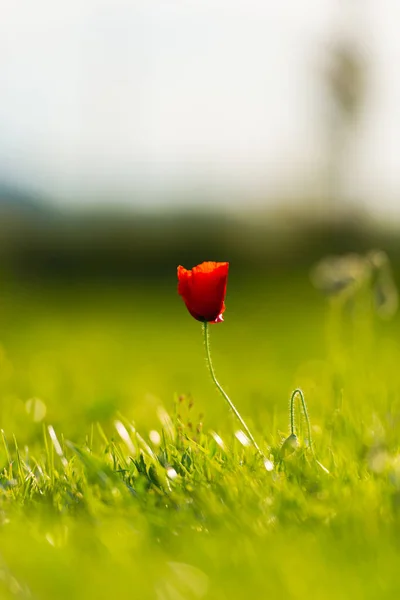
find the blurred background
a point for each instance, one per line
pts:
(136, 136)
(135, 133)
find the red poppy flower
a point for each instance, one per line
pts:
(203, 290)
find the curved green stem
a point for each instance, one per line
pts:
(224, 394)
(292, 417)
(298, 392)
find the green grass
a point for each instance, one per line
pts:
(114, 483)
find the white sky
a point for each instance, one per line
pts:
(114, 95)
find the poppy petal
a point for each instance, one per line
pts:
(203, 290)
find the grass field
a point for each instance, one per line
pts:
(114, 480)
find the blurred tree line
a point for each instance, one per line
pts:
(37, 242)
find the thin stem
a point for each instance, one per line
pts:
(292, 418)
(224, 394)
(298, 392)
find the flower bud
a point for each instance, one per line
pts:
(290, 445)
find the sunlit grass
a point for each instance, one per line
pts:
(123, 474)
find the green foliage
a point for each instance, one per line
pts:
(115, 481)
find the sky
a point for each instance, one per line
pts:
(104, 98)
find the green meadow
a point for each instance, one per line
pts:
(121, 471)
